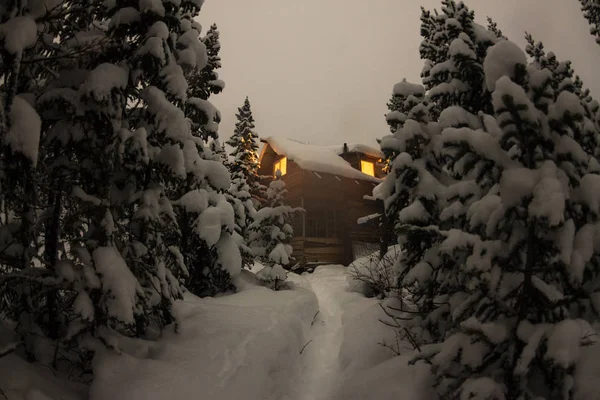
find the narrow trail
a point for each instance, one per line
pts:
(320, 358)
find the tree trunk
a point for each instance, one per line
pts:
(384, 240)
(51, 242)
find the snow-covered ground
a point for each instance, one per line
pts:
(246, 344)
(320, 368)
(257, 344)
(345, 358)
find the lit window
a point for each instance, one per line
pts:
(367, 167)
(280, 165)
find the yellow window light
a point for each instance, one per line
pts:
(280, 165)
(367, 167)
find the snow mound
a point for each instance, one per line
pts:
(248, 342)
(390, 380)
(18, 33)
(21, 380)
(407, 89)
(501, 60)
(24, 133)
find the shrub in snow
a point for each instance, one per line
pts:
(372, 276)
(272, 276)
(272, 230)
(520, 299)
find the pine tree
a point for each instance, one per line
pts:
(22, 288)
(524, 289)
(591, 11)
(240, 199)
(206, 219)
(210, 78)
(244, 142)
(426, 194)
(246, 186)
(405, 97)
(413, 193)
(204, 82)
(453, 48)
(493, 27)
(130, 198)
(272, 231)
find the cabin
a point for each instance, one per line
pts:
(334, 185)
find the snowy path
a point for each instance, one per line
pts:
(320, 367)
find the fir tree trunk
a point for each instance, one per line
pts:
(52, 235)
(385, 226)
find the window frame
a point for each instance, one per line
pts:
(323, 224)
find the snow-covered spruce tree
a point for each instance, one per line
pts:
(528, 286)
(245, 186)
(405, 96)
(22, 287)
(116, 263)
(240, 199)
(564, 78)
(413, 194)
(453, 48)
(428, 201)
(271, 232)
(207, 239)
(205, 82)
(591, 11)
(238, 195)
(33, 292)
(244, 143)
(121, 115)
(493, 27)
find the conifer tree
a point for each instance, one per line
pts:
(413, 193)
(245, 187)
(591, 12)
(205, 82)
(405, 97)
(244, 142)
(520, 295)
(272, 230)
(20, 132)
(493, 27)
(425, 193)
(453, 48)
(121, 162)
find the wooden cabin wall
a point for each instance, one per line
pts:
(320, 193)
(325, 192)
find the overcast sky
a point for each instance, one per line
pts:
(322, 71)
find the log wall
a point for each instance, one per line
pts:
(319, 194)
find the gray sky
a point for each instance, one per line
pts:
(322, 70)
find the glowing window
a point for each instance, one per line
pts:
(367, 167)
(280, 165)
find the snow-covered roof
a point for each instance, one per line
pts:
(358, 148)
(317, 158)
